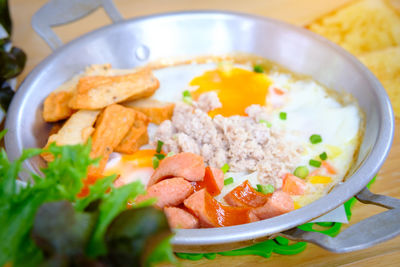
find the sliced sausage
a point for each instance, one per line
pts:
(218, 176)
(211, 213)
(180, 218)
(213, 181)
(279, 203)
(170, 192)
(245, 195)
(187, 165)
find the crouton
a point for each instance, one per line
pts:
(156, 110)
(56, 106)
(76, 130)
(113, 124)
(96, 92)
(136, 137)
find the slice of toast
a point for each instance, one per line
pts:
(157, 111)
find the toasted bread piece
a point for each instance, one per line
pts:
(362, 27)
(56, 107)
(136, 136)
(56, 104)
(113, 124)
(96, 92)
(385, 64)
(76, 130)
(156, 110)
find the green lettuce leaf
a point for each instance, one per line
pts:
(111, 205)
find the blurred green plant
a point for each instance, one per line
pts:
(12, 59)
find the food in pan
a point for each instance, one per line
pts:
(217, 142)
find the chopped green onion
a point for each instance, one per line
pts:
(225, 168)
(186, 93)
(265, 188)
(267, 123)
(323, 156)
(156, 162)
(187, 97)
(159, 156)
(315, 139)
(228, 181)
(301, 172)
(258, 69)
(170, 154)
(315, 163)
(159, 146)
(283, 116)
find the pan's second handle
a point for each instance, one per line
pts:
(366, 233)
(58, 12)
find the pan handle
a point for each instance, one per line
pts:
(59, 12)
(366, 233)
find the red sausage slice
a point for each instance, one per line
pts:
(187, 165)
(245, 195)
(170, 192)
(211, 213)
(179, 218)
(213, 181)
(279, 203)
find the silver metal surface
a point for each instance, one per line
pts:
(137, 41)
(364, 234)
(58, 12)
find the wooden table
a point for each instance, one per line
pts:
(299, 12)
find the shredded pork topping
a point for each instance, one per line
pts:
(241, 141)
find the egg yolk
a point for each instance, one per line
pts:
(236, 88)
(128, 162)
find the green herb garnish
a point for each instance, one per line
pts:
(267, 123)
(159, 146)
(315, 139)
(155, 162)
(283, 116)
(315, 163)
(187, 97)
(301, 172)
(228, 181)
(323, 156)
(225, 168)
(265, 188)
(258, 69)
(159, 156)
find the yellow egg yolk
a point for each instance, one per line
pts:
(128, 162)
(236, 88)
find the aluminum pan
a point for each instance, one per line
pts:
(189, 34)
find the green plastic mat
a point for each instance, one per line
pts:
(280, 245)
